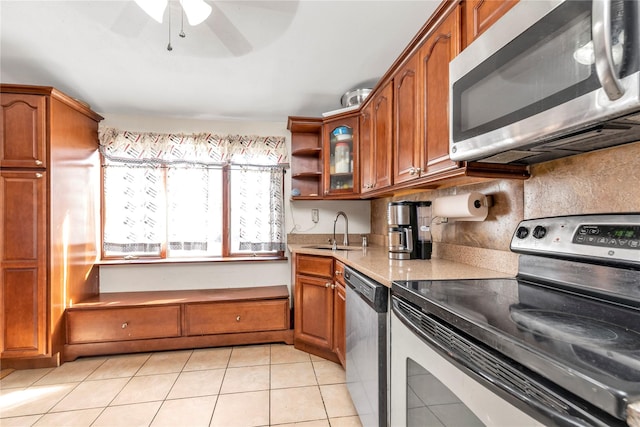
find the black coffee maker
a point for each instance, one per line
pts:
(409, 230)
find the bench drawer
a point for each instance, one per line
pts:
(122, 324)
(249, 316)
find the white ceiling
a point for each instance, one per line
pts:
(251, 60)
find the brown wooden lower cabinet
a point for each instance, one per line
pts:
(132, 322)
(319, 325)
(340, 314)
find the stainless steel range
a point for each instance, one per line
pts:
(560, 341)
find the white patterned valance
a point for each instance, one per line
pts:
(202, 149)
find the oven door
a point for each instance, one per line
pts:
(428, 390)
(548, 68)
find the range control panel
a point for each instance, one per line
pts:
(612, 237)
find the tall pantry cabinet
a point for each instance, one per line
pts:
(49, 219)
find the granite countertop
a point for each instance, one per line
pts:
(373, 261)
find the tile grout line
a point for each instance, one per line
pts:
(170, 388)
(123, 387)
(270, 377)
(181, 371)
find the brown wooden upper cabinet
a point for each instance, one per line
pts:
(442, 45)
(22, 131)
(481, 14)
(421, 101)
(341, 173)
(306, 158)
(407, 142)
(376, 140)
(367, 170)
(402, 130)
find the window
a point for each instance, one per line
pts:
(172, 196)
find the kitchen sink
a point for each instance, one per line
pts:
(329, 247)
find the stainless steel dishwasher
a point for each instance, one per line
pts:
(366, 306)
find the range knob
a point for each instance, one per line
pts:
(539, 232)
(522, 232)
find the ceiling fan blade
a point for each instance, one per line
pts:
(130, 21)
(227, 33)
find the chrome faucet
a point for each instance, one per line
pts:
(345, 240)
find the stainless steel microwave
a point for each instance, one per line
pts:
(551, 78)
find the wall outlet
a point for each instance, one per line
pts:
(315, 216)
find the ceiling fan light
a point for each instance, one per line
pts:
(153, 8)
(196, 10)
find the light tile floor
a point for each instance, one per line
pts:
(232, 386)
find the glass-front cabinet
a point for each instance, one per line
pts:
(341, 173)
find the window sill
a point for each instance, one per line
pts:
(190, 260)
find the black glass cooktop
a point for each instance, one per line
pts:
(588, 346)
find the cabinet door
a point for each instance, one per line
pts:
(382, 136)
(407, 144)
(22, 130)
(341, 157)
(481, 14)
(314, 312)
(339, 313)
(339, 322)
(439, 49)
(23, 293)
(367, 173)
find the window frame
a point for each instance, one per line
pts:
(226, 255)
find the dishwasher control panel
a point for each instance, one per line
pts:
(376, 294)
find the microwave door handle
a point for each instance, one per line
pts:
(602, 49)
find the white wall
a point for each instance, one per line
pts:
(125, 278)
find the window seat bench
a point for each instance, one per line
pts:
(132, 322)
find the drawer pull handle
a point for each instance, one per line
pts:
(238, 318)
(38, 175)
(124, 325)
(338, 273)
(38, 162)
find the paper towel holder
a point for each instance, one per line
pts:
(478, 201)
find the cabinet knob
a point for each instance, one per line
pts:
(333, 286)
(326, 285)
(124, 325)
(38, 162)
(237, 318)
(338, 273)
(38, 175)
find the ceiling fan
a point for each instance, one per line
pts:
(226, 28)
(196, 10)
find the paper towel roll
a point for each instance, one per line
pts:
(462, 207)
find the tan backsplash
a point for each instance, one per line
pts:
(602, 181)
